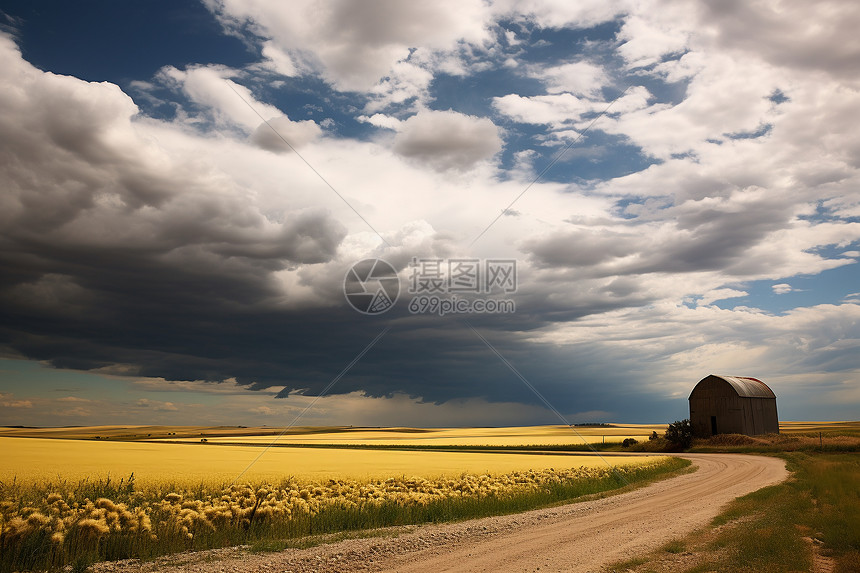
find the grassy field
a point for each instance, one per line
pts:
(793, 436)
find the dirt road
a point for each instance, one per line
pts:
(575, 537)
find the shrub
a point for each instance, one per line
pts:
(680, 434)
(629, 442)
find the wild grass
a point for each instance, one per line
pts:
(51, 524)
(776, 443)
(675, 546)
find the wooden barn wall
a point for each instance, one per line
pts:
(729, 411)
(735, 415)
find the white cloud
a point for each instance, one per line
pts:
(721, 294)
(654, 29)
(224, 101)
(549, 109)
(560, 13)
(562, 109)
(380, 120)
(405, 81)
(579, 78)
(782, 288)
(278, 60)
(355, 45)
(271, 134)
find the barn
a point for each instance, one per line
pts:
(732, 405)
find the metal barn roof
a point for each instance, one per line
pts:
(748, 387)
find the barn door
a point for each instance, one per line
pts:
(713, 425)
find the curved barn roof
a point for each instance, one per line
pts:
(747, 387)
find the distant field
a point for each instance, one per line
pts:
(510, 436)
(513, 436)
(72, 453)
(29, 459)
(842, 428)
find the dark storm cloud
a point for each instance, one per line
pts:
(117, 256)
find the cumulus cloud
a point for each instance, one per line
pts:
(562, 109)
(356, 45)
(561, 14)
(817, 37)
(380, 120)
(272, 134)
(720, 294)
(578, 78)
(447, 139)
(278, 60)
(222, 101)
(781, 288)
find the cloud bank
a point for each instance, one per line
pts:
(200, 249)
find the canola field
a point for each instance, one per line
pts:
(29, 460)
(70, 501)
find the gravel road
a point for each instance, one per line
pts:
(575, 537)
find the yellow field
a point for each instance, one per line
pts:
(511, 436)
(30, 459)
(825, 427)
(527, 435)
(132, 432)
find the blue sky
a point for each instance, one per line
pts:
(168, 259)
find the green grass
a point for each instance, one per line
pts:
(37, 552)
(821, 500)
(675, 546)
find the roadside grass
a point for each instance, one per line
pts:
(814, 514)
(778, 443)
(54, 524)
(675, 546)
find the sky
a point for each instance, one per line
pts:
(186, 187)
